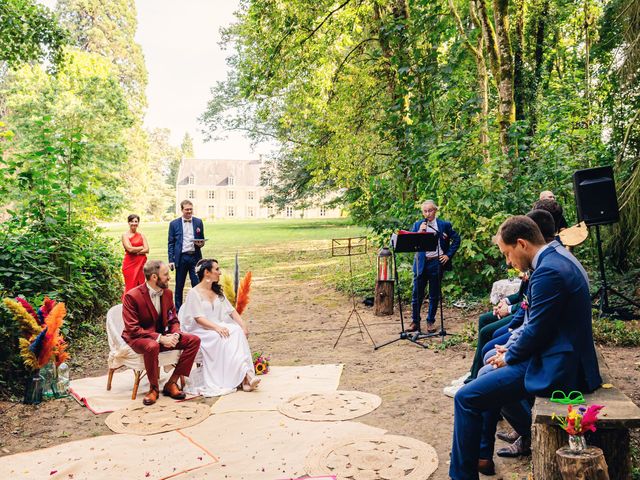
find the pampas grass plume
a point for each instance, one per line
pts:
(227, 286)
(243, 293)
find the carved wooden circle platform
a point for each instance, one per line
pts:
(386, 457)
(158, 418)
(329, 406)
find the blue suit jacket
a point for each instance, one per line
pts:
(558, 340)
(450, 243)
(175, 238)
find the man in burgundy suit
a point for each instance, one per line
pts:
(151, 326)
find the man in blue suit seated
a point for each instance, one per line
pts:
(554, 352)
(186, 238)
(428, 267)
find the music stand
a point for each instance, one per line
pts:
(349, 247)
(409, 242)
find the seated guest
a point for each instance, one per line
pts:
(507, 315)
(555, 350)
(555, 209)
(227, 362)
(151, 326)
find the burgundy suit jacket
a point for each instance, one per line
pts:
(140, 316)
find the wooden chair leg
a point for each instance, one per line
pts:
(136, 383)
(110, 377)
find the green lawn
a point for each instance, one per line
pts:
(300, 247)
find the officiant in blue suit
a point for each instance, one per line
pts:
(186, 238)
(428, 267)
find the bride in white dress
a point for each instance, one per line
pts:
(226, 357)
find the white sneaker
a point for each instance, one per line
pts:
(451, 390)
(460, 381)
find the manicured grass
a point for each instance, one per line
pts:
(300, 247)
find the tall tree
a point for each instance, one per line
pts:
(186, 147)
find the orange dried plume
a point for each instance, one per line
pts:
(52, 338)
(243, 293)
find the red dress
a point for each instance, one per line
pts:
(132, 265)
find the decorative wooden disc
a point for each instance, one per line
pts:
(329, 406)
(157, 418)
(386, 457)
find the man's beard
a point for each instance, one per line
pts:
(162, 285)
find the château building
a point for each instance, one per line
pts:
(231, 189)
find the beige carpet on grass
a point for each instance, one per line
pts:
(92, 392)
(280, 384)
(329, 406)
(165, 415)
(110, 457)
(265, 445)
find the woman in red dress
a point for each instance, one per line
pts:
(136, 249)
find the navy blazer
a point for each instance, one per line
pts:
(450, 243)
(175, 239)
(558, 340)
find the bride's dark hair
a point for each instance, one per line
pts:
(207, 264)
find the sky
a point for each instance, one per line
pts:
(184, 61)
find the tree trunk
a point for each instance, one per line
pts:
(383, 302)
(541, 25)
(506, 106)
(519, 84)
(586, 465)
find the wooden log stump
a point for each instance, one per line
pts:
(383, 302)
(588, 464)
(546, 440)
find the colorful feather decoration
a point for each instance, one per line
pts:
(28, 325)
(52, 338)
(60, 352)
(28, 357)
(27, 306)
(226, 281)
(243, 293)
(36, 345)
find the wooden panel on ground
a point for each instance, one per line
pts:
(384, 298)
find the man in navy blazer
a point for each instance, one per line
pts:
(186, 238)
(429, 266)
(554, 351)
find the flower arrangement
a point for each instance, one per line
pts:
(579, 420)
(261, 363)
(41, 337)
(525, 302)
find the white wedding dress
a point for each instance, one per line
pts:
(225, 361)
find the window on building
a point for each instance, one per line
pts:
(191, 194)
(231, 181)
(289, 211)
(250, 195)
(271, 212)
(323, 211)
(231, 194)
(251, 212)
(191, 180)
(211, 195)
(211, 210)
(231, 212)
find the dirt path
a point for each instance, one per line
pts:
(297, 323)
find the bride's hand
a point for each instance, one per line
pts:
(222, 331)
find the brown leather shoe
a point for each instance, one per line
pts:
(507, 436)
(431, 328)
(520, 448)
(172, 390)
(151, 397)
(412, 328)
(486, 467)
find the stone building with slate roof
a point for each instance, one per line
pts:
(231, 189)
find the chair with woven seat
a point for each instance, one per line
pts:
(121, 355)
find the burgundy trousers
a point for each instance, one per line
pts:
(150, 349)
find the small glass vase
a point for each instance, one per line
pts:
(33, 388)
(577, 443)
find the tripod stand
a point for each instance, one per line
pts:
(602, 295)
(348, 247)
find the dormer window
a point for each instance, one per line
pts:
(231, 181)
(191, 180)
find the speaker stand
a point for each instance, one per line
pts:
(602, 295)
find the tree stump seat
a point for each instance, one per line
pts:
(612, 436)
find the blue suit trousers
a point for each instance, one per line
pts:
(186, 265)
(430, 275)
(477, 406)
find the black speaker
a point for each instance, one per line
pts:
(596, 198)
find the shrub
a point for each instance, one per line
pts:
(69, 262)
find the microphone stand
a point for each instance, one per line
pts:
(442, 333)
